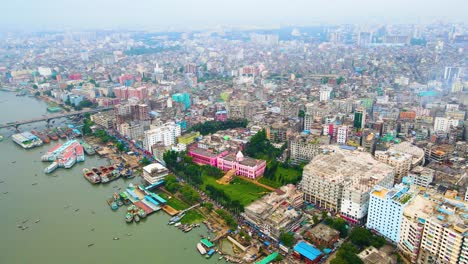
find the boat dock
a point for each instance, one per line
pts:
(169, 210)
(142, 199)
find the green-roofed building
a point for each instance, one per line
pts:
(268, 258)
(207, 243)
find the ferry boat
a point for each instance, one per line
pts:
(51, 167)
(69, 162)
(129, 217)
(201, 249)
(91, 176)
(141, 213)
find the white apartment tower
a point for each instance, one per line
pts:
(166, 134)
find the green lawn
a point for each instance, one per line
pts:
(174, 202)
(239, 189)
(270, 183)
(191, 217)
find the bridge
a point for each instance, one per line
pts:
(48, 118)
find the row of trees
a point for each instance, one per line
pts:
(105, 137)
(183, 166)
(211, 127)
(187, 193)
(190, 195)
(172, 185)
(222, 198)
(227, 217)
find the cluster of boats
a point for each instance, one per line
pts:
(64, 155)
(55, 134)
(117, 200)
(205, 247)
(106, 174)
(186, 227)
(134, 213)
(175, 219)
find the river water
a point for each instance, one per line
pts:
(73, 214)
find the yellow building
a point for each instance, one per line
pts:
(188, 138)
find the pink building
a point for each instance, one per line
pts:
(74, 76)
(204, 157)
(121, 93)
(140, 92)
(244, 166)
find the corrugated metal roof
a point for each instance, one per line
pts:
(268, 258)
(307, 250)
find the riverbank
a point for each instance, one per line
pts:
(73, 214)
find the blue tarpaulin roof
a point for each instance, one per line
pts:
(307, 250)
(156, 184)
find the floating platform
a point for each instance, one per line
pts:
(169, 210)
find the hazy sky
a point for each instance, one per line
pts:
(156, 13)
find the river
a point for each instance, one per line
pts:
(73, 214)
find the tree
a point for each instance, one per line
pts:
(378, 241)
(35, 86)
(315, 219)
(360, 237)
(341, 225)
(37, 93)
(208, 206)
(324, 214)
(347, 254)
(87, 123)
(86, 103)
(145, 161)
(339, 80)
(286, 239)
(338, 260)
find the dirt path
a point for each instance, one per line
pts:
(258, 184)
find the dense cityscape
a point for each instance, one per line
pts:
(332, 144)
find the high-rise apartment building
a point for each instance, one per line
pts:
(443, 124)
(386, 210)
(342, 134)
(340, 180)
(303, 148)
(360, 118)
(433, 229)
(166, 135)
(400, 161)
